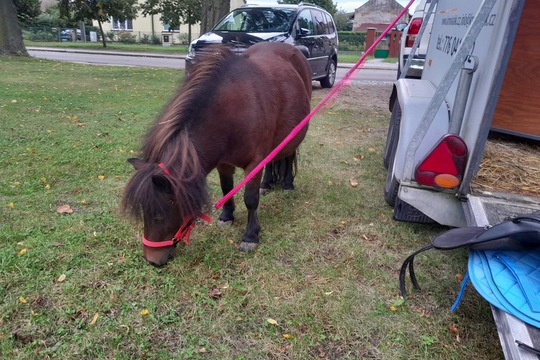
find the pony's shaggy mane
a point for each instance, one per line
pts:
(168, 142)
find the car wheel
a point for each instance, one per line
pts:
(330, 78)
(392, 136)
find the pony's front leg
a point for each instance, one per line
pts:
(250, 240)
(226, 180)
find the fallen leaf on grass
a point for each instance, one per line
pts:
(101, 177)
(214, 293)
(288, 336)
(62, 278)
(64, 209)
(271, 321)
(94, 319)
(145, 312)
(22, 300)
(56, 244)
(353, 182)
(459, 277)
(21, 252)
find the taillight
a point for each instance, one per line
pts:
(444, 165)
(414, 28)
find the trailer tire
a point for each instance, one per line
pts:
(392, 136)
(391, 185)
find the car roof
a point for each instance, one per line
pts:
(281, 6)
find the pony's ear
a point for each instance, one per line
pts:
(162, 183)
(137, 163)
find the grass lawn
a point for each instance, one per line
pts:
(322, 284)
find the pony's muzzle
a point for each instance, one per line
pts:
(158, 257)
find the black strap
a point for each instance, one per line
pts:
(409, 263)
(529, 348)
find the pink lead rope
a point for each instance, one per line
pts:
(345, 81)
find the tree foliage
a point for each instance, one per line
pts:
(174, 12)
(343, 20)
(99, 10)
(27, 10)
(328, 5)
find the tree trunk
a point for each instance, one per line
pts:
(11, 40)
(103, 41)
(212, 12)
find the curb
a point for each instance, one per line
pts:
(373, 64)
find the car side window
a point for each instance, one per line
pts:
(330, 24)
(320, 23)
(305, 23)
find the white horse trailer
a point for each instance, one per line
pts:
(481, 73)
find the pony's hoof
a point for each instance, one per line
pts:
(264, 191)
(247, 246)
(224, 223)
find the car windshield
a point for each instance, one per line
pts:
(257, 20)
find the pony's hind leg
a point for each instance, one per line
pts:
(250, 240)
(226, 179)
(288, 176)
(268, 179)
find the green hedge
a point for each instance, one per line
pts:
(351, 40)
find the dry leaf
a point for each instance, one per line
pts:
(94, 319)
(64, 209)
(56, 244)
(371, 150)
(214, 293)
(353, 182)
(271, 321)
(393, 308)
(202, 350)
(11, 204)
(22, 300)
(454, 329)
(459, 277)
(61, 278)
(21, 252)
(288, 336)
(145, 312)
(101, 177)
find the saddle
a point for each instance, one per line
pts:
(503, 264)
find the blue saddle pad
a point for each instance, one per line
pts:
(509, 280)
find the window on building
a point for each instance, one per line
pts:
(122, 25)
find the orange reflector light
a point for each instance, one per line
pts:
(446, 181)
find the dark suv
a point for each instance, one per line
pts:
(308, 27)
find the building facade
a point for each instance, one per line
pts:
(378, 14)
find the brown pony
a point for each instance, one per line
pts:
(231, 111)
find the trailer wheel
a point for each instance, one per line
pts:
(391, 186)
(392, 136)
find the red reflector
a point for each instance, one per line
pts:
(414, 28)
(445, 164)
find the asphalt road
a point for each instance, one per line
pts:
(371, 71)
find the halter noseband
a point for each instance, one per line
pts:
(184, 230)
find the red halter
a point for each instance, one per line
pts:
(183, 232)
